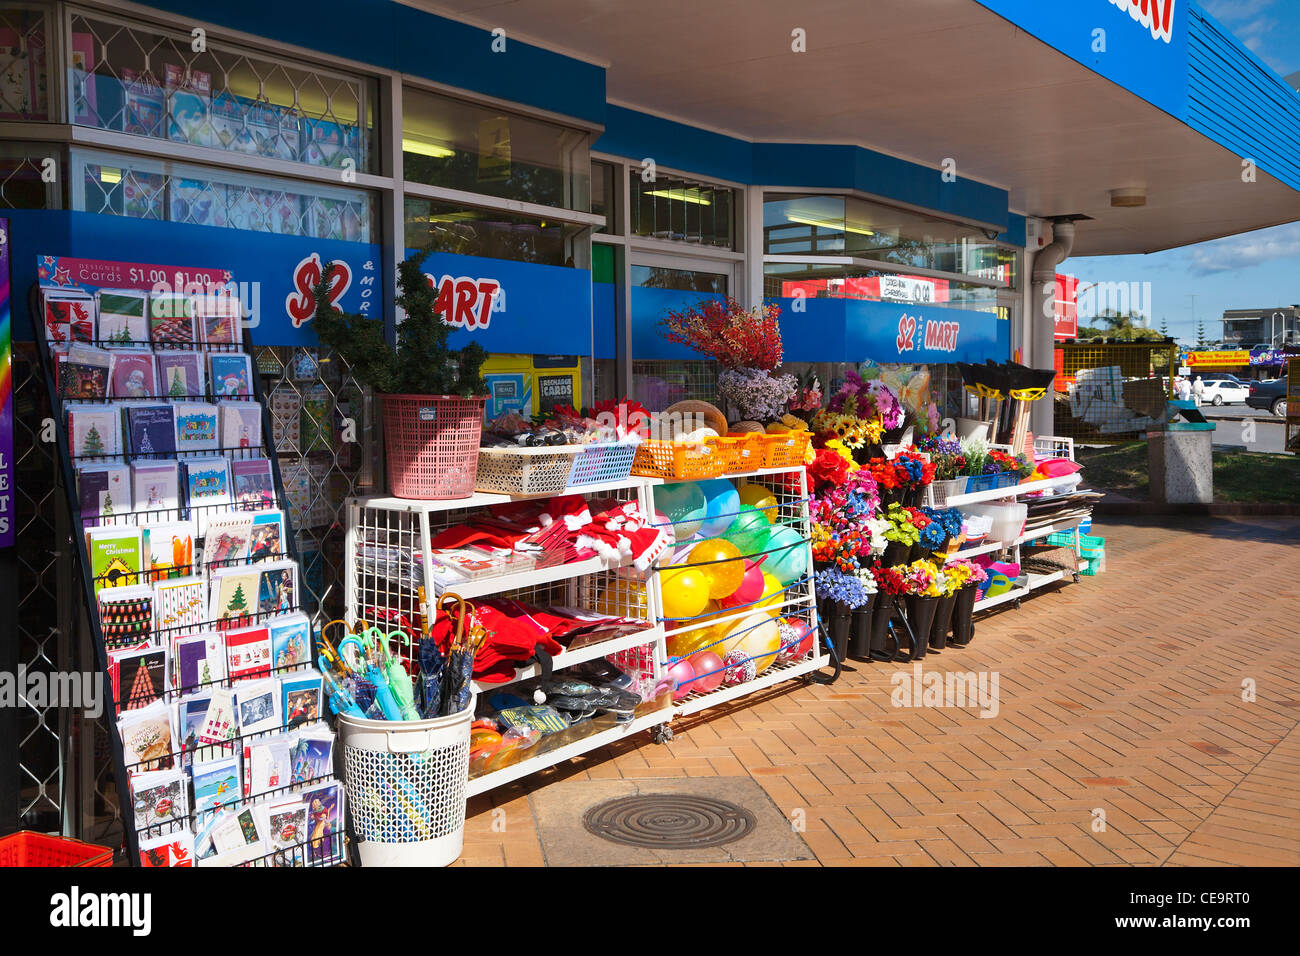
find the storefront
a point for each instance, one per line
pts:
(568, 201)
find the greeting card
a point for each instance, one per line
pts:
(248, 653)
(122, 317)
(104, 491)
(180, 603)
(200, 662)
(266, 764)
(302, 698)
(142, 677)
(189, 94)
(234, 598)
(241, 424)
(155, 486)
(238, 837)
(290, 643)
(227, 539)
(216, 784)
(220, 723)
(132, 374)
(94, 432)
(285, 406)
(83, 374)
(231, 374)
(159, 798)
(170, 849)
(144, 104)
(259, 705)
(125, 615)
(278, 588)
(69, 317)
(196, 427)
(324, 824)
(218, 318)
(285, 827)
(180, 374)
(207, 489)
(168, 549)
(171, 319)
(151, 429)
(313, 755)
(116, 558)
(147, 738)
(252, 482)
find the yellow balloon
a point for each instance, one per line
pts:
(762, 499)
(755, 636)
(686, 644)
(720, 561)
(773, 594)
(685, 591)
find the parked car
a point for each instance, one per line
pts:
(1224, 390)
(1269, 395)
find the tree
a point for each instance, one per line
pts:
(177, 389)
(93, 443)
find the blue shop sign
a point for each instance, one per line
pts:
(910, 333)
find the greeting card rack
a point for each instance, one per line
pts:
(325, 849)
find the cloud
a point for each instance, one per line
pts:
(1245, 251)
(1229, 10)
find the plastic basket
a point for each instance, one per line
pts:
(431, 443)
(752, 450)
(785, 450)
(1007, 479)
(602, 461)
(676, 459)
(738, 453)
(405, 782)
(981, 483)
(28, 848)
(525, 471)
(941, 491)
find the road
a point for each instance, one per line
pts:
(1255, 428)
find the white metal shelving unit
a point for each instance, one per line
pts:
(405, 526)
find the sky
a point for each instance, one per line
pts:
(1254, 270)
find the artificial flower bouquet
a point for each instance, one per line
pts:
(943, 525)
(845, 587)
(846, 530)
(902, 528)
(859, 413)
(945, 453)
(964, 573)
(728, 332)
(890, 580)
(756, 394)
(922, 579)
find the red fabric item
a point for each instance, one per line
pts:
(512, 637)
(460, 535)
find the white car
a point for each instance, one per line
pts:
(1224, 391)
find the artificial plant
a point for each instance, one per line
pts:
(422, 363)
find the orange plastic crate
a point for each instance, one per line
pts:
(785, 450)
(677, 459)
(735, 452)
(29, 848)
(752, 450)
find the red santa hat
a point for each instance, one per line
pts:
(624, 532)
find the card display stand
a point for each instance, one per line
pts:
(327, 848)
(387, 557)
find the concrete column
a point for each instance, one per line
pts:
(1040, 322)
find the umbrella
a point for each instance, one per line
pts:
(465, 642)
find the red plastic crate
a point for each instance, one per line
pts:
(29, 848)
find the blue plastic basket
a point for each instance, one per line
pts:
(602, 461)
(981, 483)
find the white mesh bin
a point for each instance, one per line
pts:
(405, 783)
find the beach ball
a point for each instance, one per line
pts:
(720, 561)
(682, 504)
(796, 638)
(720, 507)
(773, 595)
(757, 636)
(750, 590)
(757, 496)
(709, 671)
(749, 531)
(683, 675)
(685, 591)
(739, 668)
(787, 555)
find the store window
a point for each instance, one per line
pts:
(814, 281)
(24, 62)
(461, 145)
(681, 210)
(829, 225)
(140, 188)
(659, 381)
(130, 78)
(23, 179)
(603, 198)
(442, 227)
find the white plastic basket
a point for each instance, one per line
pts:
(405, 782)
(525, 471)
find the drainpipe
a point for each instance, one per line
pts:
(1041, 322)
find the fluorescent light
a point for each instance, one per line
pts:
(108, 174)
(833, 224)
(681, 195)
(421, 148)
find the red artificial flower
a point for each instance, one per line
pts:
(828, 468)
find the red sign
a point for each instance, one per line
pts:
(1067, 307)
(66, 272)
(464, 302)
(300, 304)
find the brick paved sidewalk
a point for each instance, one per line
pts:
(1119, 696)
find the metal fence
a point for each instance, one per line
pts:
(1111, 393)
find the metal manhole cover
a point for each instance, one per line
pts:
(668, 821)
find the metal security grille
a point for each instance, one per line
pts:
(1112, 393)
(24, 65)
(30, 175)
(657, 384)
(145, 81)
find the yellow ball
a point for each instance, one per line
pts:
(720, 561)
(755, 636)
(685, 591)
(774, 595)
(761, 498)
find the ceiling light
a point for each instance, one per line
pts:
(108, 174)
(421, 148)
(834, 225)
(1128, 198)
(681, 195)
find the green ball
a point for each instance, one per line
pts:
(749, 531)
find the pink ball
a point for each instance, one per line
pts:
(710, 670)
(750, 590)
(683, 674)
(803, 633)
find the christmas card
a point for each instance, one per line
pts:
(227, 540)
(171, 319)
(324, 824)
(116, 558)
(132, 374)
(234, 598)
(252, 483)
(258, 706)
(84, 373)
(180, 374)
(218, 318)
(200, 662)
(159, 798)
(290, 644)
(278, 588)
(196, 427)
(231, 375)
(180, 603)
(216, 783)
(155, 486)
(170, 849)
(237, 837)
(122, 318)
(241, 425)
(69, 317)
(220, 723)
(94, 432)
(147, 738)
(285, 824)
(302, 698)
(143, 677)
(248, 653)
(168, 550)
(313, 754)
(151, 429)
(191, 712)
(125, 615)
(268, 541)
(207, 489)
(266, 764)
(104, 491)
